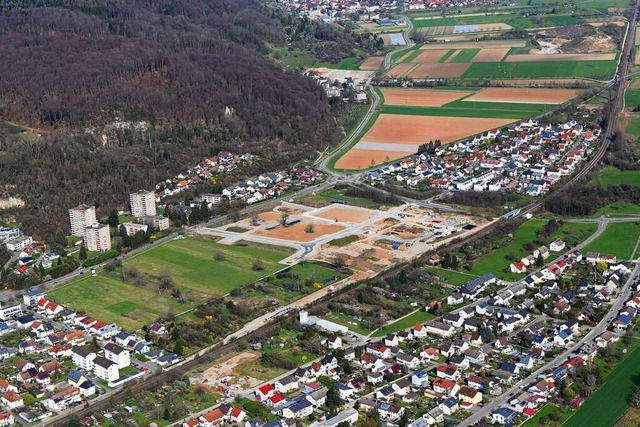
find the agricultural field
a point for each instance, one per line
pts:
(398, 135)
(500, 59)
(410, 117)
(611, 400)
(541, 69)
(193, 266)
(619, 239)
(611, 175)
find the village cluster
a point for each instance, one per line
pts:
(204, 171)
(332, 11)
(273, 184)
(346, 88)
(527, 158)
(62, 358)
(492, 341)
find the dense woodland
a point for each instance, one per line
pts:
(120, 95)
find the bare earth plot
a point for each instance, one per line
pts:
(488, 44)
(297, 232)
(401, 129)
(490, 55)
(401, 70)
(524, 95)
(421, 97)
(406, 133)
(372, 63)
(358, 158)
(351, 214)
(430, 56)
(533, 57)
(439, 70)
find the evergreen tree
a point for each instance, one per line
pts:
(114, 221)
(82, 256)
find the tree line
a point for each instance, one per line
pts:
(122, 95)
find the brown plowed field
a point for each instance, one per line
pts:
(372, 64)
(499, 26)
(357, 158)
(438, 70)
(297, 231)
(401, 70)
(420, 97)
(524, 95)
(561, 57)
(343, 214)
(497, 44)
(490, 55)
(430, 56)
(401, 129)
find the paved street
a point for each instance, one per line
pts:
(495, 403)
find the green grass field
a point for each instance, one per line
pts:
(192, 265)
(465, 55)
(610, 401)
(511, 19)
(333, 194)
(453, 277)
(611, 175)
(402, 324)
(344, 241)
(631, 98)
(618, 209)
(633, 125)
(417, 53)
(618, 239)
(540, 69)
(445, 56)
(496, 261)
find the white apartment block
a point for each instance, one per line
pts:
(106, 369)
(9, 233)
(80, 217)
(212, 199)
(19, 243)
(97, 237)
(143, 203)
(132, 228)
(159, 222)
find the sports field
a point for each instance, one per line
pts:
(192, 264)
(619, 239)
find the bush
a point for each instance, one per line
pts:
(101, 258)
(257, 265)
